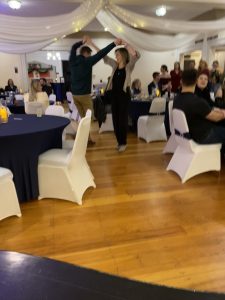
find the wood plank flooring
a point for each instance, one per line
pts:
(140, 222)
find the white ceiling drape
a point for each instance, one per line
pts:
(22, 35)
(165, 25)
(150, 42)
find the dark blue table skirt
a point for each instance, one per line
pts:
(17, 107)
(22, 140)
(26, 277)
(141, 108)
(59, 90)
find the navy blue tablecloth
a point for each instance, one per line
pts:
(140, 108)
(22, 140)
(59, 90)
(26, 277)
(17, 107)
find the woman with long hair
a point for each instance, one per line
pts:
(176, 77)
(36, 94)
(119, 87)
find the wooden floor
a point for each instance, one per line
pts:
(140, 222)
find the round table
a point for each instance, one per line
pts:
(22, 140)
(25, 276)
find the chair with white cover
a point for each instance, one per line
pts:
(58, 110)
(190, 158)
(151, 127)
(9, 205)
(55, 110)
(107, 125)
(19, 97)
(72, 107)
(65, 174)
(31, 108)
(171, 144)
(52, 97)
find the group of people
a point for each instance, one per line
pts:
(118, 87)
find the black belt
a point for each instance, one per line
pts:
(157, 114)
(185, 135)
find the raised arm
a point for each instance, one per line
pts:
(103, 52)
(134, 55)
(73, 52)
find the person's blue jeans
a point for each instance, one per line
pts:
(215, 136)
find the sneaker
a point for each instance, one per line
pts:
(122, 148)
(91, 142)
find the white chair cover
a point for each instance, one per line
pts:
(52, 97)
(152, 128)
(73, 109)
(65, 174)
(33, 107)
(191, 158)
(9, 205)
(55, 110)
(171, 144)
(107, 125)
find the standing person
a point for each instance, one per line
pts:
(165, 80)
(81, 72)
(176, 77)
(119, 86)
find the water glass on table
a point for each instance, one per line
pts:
(39, 112)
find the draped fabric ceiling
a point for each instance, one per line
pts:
(23, 35)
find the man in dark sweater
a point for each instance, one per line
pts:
(81, 71)
(201, 118)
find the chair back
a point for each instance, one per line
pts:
(170, 109)
(52, 97)
(33, 107)
(181, 129)
(19, 97)
(72, 107)
(55, 110)
(158, 106)
(80, 144)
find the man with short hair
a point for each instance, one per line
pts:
(154, 84)
(201, 118)
(81, 71)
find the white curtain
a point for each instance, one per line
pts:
(150, 42)
(23, 35)
(166, 25)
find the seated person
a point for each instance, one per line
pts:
(202, 89)
(45, 87)
(36, 94)
(201, 117)
(2, 90)
(154, 84)
(136, 87)
(10, 87)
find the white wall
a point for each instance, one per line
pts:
(148, 63)
(7, 64)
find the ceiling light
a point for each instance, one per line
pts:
(160, 11)
(14, 4)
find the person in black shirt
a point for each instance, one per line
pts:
(45, 88)
(10, 87)
(119, 87)
(201, 118)
(154, 84)
(81, 72)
